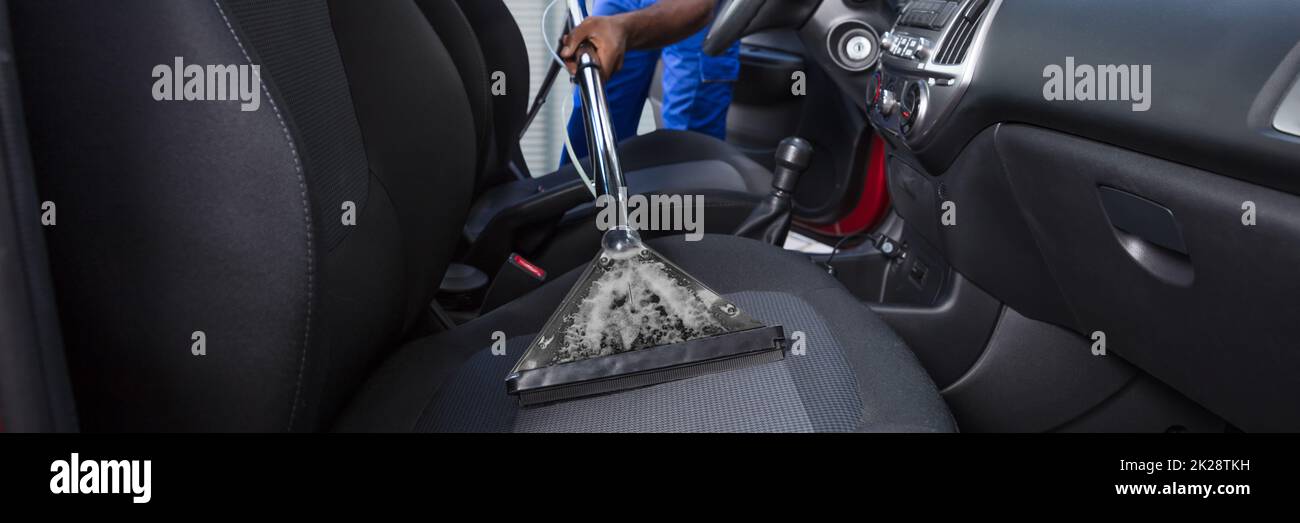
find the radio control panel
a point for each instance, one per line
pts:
(927, 61)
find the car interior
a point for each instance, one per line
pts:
(1119, 258)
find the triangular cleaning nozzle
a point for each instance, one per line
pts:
(637, 320)
(634, 318)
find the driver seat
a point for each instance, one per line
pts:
(484, 41)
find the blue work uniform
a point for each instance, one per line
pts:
(696, 86)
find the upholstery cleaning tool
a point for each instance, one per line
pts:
(633, 318)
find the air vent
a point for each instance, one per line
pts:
(955, 47)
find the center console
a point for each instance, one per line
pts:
(927, 61)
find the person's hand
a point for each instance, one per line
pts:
(606, 34)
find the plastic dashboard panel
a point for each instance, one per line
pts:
(1215, 66)
(1036, 232)
(1217, 321)
(1213, 317)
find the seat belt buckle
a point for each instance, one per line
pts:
(521, 263)
(518, 276)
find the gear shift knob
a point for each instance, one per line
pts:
(793, 156)
(794, 152)
(770, 221)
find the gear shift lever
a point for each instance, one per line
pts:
(770, 221)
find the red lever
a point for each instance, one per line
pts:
(527, 266)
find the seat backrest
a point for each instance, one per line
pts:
(504, 52)
(462, 45)
(207, 271)
(488, 49)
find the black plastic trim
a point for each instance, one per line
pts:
(647, 367)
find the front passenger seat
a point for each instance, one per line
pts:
(194, 220)
(490, 53)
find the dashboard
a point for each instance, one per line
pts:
(1223, 78)
(927, 62)
(1107, 158)
(1102, 157)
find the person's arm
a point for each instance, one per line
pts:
(665, 22)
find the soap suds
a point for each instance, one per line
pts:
(635, 305)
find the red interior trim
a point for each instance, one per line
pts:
(872, 203)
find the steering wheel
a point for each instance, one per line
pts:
(729, 26)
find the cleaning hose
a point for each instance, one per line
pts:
(566, 106)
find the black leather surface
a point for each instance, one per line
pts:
(770, 221)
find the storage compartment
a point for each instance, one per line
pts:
(1189, 288)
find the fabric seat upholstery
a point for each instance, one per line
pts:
(661, 162)
(856, 374)
(181, 221)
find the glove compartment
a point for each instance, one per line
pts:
(1191, 276)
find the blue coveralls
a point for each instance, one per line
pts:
(696, 86)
